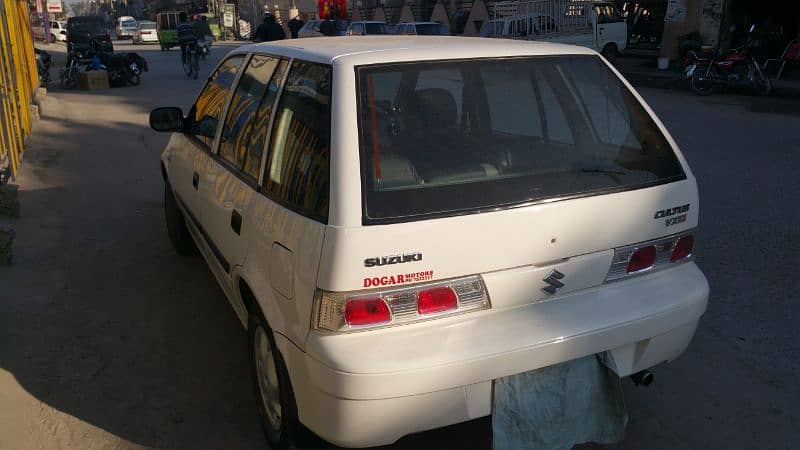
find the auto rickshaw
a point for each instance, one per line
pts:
(167, 28)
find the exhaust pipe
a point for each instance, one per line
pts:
(643, 378)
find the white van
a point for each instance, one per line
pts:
(398, 221)
(594, 24)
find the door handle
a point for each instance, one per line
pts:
(195, 180)
(236, 222)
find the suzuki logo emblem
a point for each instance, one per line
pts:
(553, 285)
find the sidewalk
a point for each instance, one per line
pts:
(641, 71)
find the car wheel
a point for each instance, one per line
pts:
(52, 38)
(178, 232)
(276, 403)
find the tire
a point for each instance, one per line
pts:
(195, 60)
(134, 79)
(610, 52)
(699, 85)
(760, 83)
(53, 38)
(177, 230)
(69, 81)
(279, 421)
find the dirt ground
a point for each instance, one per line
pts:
(109, 340)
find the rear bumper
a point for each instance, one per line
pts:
(641, 322)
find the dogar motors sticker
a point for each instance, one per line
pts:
(402, 278)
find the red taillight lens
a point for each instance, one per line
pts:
(641, 259)
(366, 311)
(436, 300)
(683, 248)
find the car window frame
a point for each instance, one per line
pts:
(201, 145)
(254, 182)
(266, 155)
(366, 220)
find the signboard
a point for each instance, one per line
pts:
(332, 9)
(227, 19)
(676, 11)
(54, 6)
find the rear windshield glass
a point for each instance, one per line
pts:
(94, 26)
(129, 24)
(147, 26)
(376, 28)
(452, 137)
(430, 29)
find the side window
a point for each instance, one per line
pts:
(245, 103)
(297, 173)
(207, 109)
(608, 14)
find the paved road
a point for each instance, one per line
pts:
(109, 340)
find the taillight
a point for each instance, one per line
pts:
(648, 256)
(436, 300)
(642, 259)
(683, 248)
(355, 311)
(366, 311)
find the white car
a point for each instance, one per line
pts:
(126, 27)
(400, 221)
(58, 31)
(145, 33)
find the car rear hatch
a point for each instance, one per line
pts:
(540, 177)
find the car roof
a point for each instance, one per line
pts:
(420, 23)
(360, 50)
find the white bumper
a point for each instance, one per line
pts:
(347, 399)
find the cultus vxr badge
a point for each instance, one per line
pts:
(393, 259)
(679, 213)
(553, 285)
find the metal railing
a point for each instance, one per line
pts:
(18, 81)
(526, 19)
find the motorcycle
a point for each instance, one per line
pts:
(122, 68)
(43, 62)
(736, 68)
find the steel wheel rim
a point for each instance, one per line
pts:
(267, 375)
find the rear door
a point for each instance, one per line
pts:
(231, 173)
(291, 215)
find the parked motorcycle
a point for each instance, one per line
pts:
(43, 62)
(736, 68)
(122, 68)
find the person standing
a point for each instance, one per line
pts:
(270, 30)
(295, 25)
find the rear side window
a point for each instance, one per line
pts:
(208, 107)
(446, 138)
(297, 173)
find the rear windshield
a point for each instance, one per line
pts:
(452, 137)
(376, 28)
(430, 29)
(129, 24)
(147, 26)
(93, 26)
